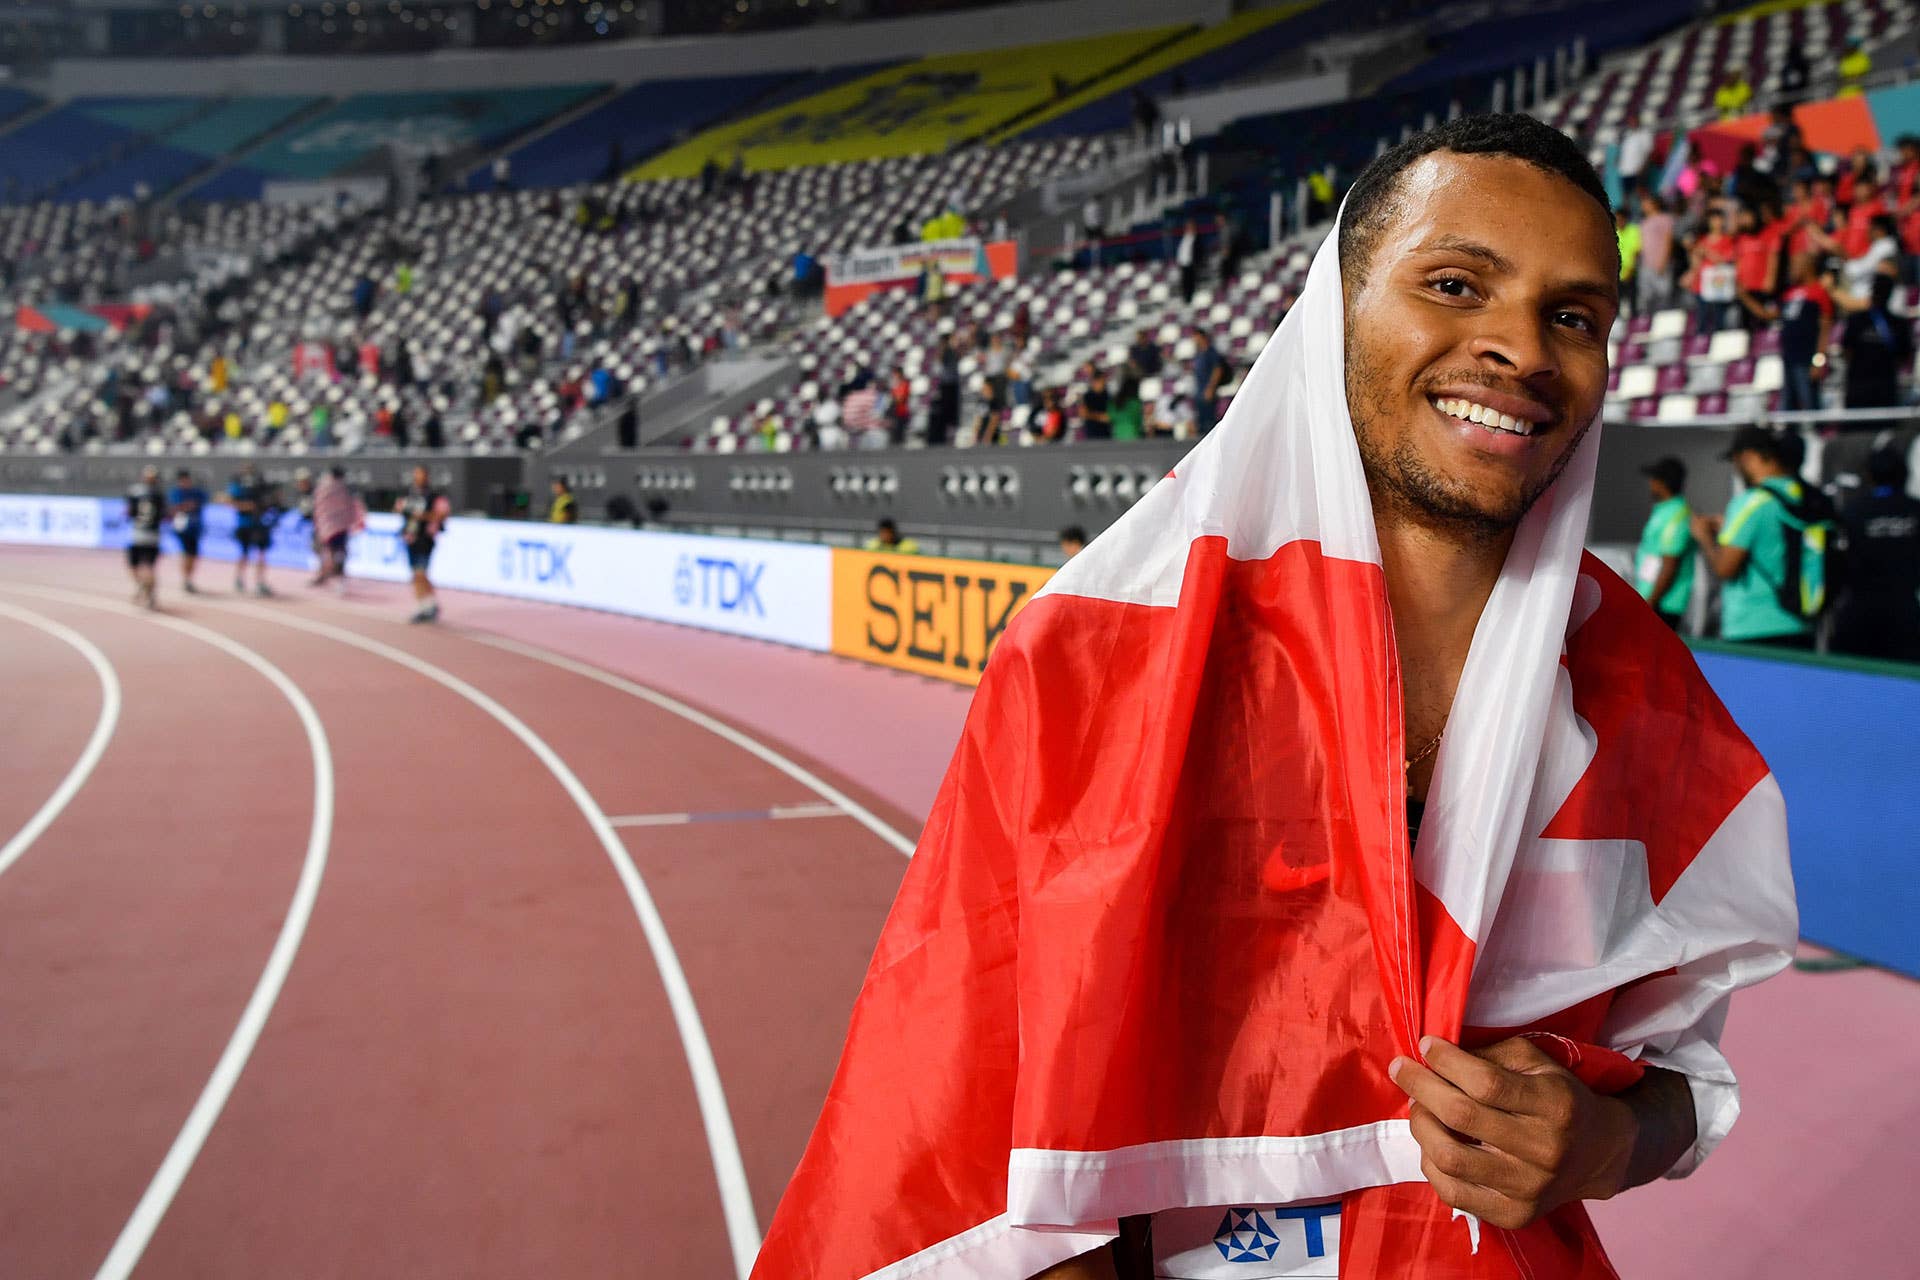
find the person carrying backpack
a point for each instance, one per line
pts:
(1769, 551)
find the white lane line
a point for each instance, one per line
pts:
(138, 1232)
(736, 1199)
(103, 727)
(753, 746)
(778, 813)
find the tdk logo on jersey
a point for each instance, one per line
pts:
(535, 560)
(715, 582)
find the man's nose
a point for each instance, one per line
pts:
(1515, 341)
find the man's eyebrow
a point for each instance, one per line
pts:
(1471, 248)
(1500, 262)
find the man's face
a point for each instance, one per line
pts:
(1491, 288)
(1657, 490)
(419, 477)
(1748, 464)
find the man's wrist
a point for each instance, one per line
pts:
(1619, 1139)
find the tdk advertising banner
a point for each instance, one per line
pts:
(768, 590)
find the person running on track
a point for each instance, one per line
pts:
(251, 527)
(188, 503)
(146, 512)
(336, 513)
(424, 512)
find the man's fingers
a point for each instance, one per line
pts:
(1476, 1163)
(1457, 1110)
(1489, 1206)
(1482, 1079)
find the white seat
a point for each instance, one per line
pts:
(1728, 345)
(1637, 380)
(1678, 407)
(1769, 374)
(1671, 323)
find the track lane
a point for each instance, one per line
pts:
(774, 921)
(472, 1071)
(131, 939)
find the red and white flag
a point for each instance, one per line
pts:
(1164, 933)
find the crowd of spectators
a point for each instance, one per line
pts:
(1783, 241)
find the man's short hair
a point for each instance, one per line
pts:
(1074, 533)
(1371, 204)
(887, 526)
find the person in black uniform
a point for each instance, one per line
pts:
(1878, 615)
(146, 512)
(423, 512)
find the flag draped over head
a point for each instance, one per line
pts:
(1164, 930)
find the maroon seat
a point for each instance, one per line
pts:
(1645, 407)
(1714, 402)
(1672, 378)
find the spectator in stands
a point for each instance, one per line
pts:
(886, 537)
(995, 360)
(1144, 355)
(1209, 375)
(1626, 234)
(1750, 184)
(1747, 549)
(1878, 613)
(1186, 256)
(1073, 540)
(899, 405)
(1096, 409)
(364, 291)
(1865, 203)
(1733, 95)
(1756, 257)
(1051, 421)
(1879, 347)
(945, 416)
(1781, 141)
(1655, 268)
(1636, 152)
(1855, 67)
(1795, 71)
(1128, 413)
(564, 509)
(1806, 323)
(1664, 567)
(1715, 282)
(1882, 253)
(320, 435)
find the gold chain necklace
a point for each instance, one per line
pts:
(1427, 750)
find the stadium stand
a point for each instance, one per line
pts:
(359, 134)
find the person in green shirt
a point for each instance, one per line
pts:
(1627, 232)
(886, 537)
(1663, 568)
(1747, 550)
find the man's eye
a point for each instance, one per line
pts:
(1574, 319)
(1453, 287)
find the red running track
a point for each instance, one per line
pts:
(474, 1068)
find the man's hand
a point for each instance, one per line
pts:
(1706, 528)
(1508, 1135)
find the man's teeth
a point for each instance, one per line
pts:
(1468, 411)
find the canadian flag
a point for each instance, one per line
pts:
(1164, 930)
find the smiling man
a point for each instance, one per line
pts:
(1326, 883)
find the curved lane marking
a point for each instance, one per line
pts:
(153, 1205)
(736, 1200)
(103, 729)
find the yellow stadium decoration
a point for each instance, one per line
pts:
(1185, 49)
(918, 108)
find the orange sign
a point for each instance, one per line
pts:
(939, 618)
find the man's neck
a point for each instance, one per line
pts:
(1438, 579)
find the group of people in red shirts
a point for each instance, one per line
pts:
(1801, 253)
